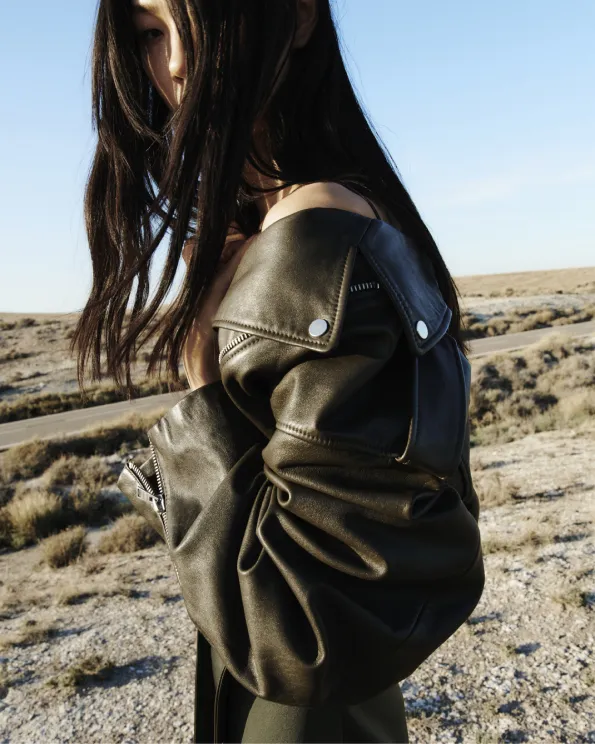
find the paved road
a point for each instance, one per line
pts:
(71, 422)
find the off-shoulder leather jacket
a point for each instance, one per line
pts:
(317, 501)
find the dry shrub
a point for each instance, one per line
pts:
(85, 477)
(35, 515)
(92, 669)
(129, 533)
(22, 597)
(83, 589)
(548, 385)
(64, 548)
(88, 472)
(27, 460)
(27, 515)
(530, 539)
(578, 405)
(524, 319)
(7, 491)
(492, 490)
(94, 564)
(39, 513)
(76, 593)
(92, 508)
(30, 634)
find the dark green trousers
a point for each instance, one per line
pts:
(251, 720)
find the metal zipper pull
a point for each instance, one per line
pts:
(162, 503)
(156, 500)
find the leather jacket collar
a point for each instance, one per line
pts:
(314, 252)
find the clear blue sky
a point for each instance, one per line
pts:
(486, 107)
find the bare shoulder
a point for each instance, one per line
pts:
(328, 195)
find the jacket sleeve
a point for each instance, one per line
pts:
(325, 552)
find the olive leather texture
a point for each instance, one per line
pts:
(318, 502)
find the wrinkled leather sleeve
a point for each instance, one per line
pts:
(329, 551)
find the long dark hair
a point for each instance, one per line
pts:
(158, 174)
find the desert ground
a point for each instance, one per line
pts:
(95, 642)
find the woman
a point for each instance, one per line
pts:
(313, 489)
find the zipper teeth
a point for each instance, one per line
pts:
(232, 343)
(142, 478)
(364, 285)
(156, 468)
(163, 510)
(353, 288)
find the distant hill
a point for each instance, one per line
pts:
(561, 281)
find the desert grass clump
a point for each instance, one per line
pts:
(89, 506)
(89, 474)
(523, 319)
(27, 460)
(129, 534)
(82, 478)
(30, 634)
(40, 513)
(92, 669)
(548, 385)
(74, 594)
(525, 541)
(64, 548)
(492, 490)
(35, 515)
(82, 589)
(7, 491)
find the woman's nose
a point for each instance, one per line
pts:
(177, 57)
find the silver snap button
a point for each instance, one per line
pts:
(422, 329)
(318, 327)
